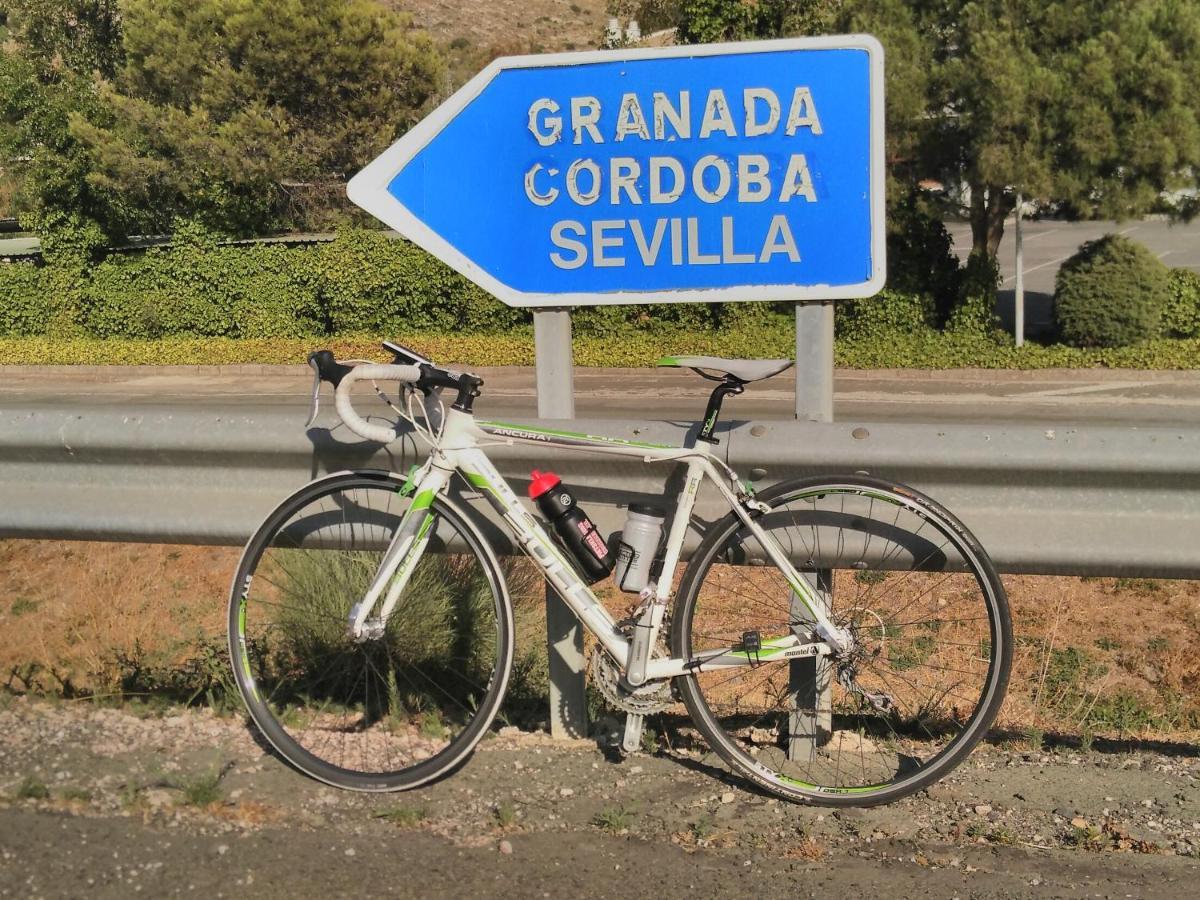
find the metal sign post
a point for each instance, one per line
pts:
(810, 680)
(564, 633)
(727, 172)
(1019, 293)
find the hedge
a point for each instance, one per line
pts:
(200, 302)
(361, 282)
(928, 349)
(1181, 315)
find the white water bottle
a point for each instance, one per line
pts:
(639, 544)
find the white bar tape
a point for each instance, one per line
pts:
(382, 434)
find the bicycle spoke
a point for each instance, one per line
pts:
(405, 692)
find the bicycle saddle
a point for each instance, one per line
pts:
(742, 369)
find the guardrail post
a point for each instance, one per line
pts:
(810, 722)
(564, 633)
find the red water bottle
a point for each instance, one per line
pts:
(575, 530)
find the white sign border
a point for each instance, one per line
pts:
(368, 189)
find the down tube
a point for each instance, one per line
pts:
(483, 476)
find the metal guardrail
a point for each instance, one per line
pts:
(1084, 501)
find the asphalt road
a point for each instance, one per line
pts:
(1047, 244)
(964, 396)
(115, 821)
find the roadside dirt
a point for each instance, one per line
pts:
(1094, 658)
(100, 802)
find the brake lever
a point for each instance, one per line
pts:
(316, 394)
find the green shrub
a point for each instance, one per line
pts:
(25, 302)
(371, 282)
(975, 311)
(189, 289)
(884, 316)
(1111, 293)
(920, 256)
(1181, 315)
(363, 281)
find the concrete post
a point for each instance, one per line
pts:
(564, 633)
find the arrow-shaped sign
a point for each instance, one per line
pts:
(748, 171)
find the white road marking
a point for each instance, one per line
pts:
(1087, 389)
(1029, 236)
(1052, 262)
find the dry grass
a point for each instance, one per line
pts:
(1105, 657)
(806, 848)
(75, 616)
(521, 26)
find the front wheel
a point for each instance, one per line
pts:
(403, 703)
(931, 632)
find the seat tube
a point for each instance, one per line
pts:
(645, 633)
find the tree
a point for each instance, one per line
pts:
(1083, 104)
(244, 115)
(1087, 105)
(46, 77)
(67, 36)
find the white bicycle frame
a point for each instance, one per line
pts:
(459, 450)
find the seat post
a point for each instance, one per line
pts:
(729, 385)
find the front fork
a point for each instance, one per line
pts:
(400, 559)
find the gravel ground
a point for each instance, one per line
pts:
(100, 802)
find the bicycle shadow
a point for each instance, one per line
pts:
(1013, 739)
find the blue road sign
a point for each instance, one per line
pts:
(748, 171)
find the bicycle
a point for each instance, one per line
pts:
(841, 641)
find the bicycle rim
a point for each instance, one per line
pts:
(402, 706)
(930, 621)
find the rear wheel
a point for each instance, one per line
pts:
(404, 704)
(931, 630)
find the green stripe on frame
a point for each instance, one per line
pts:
(579, 435)
(478, 481)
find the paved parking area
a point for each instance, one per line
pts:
(1048, 244)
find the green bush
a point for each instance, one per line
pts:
(361, 282)
(24, 299)
(975, 311)
(887, 315)
(1111, 293)
(1181, 315)
(369, 281)
(203, 290)
(920, 256)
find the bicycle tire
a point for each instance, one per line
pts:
(403, 707)
(855, 534)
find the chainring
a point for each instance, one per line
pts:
(650, 698)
